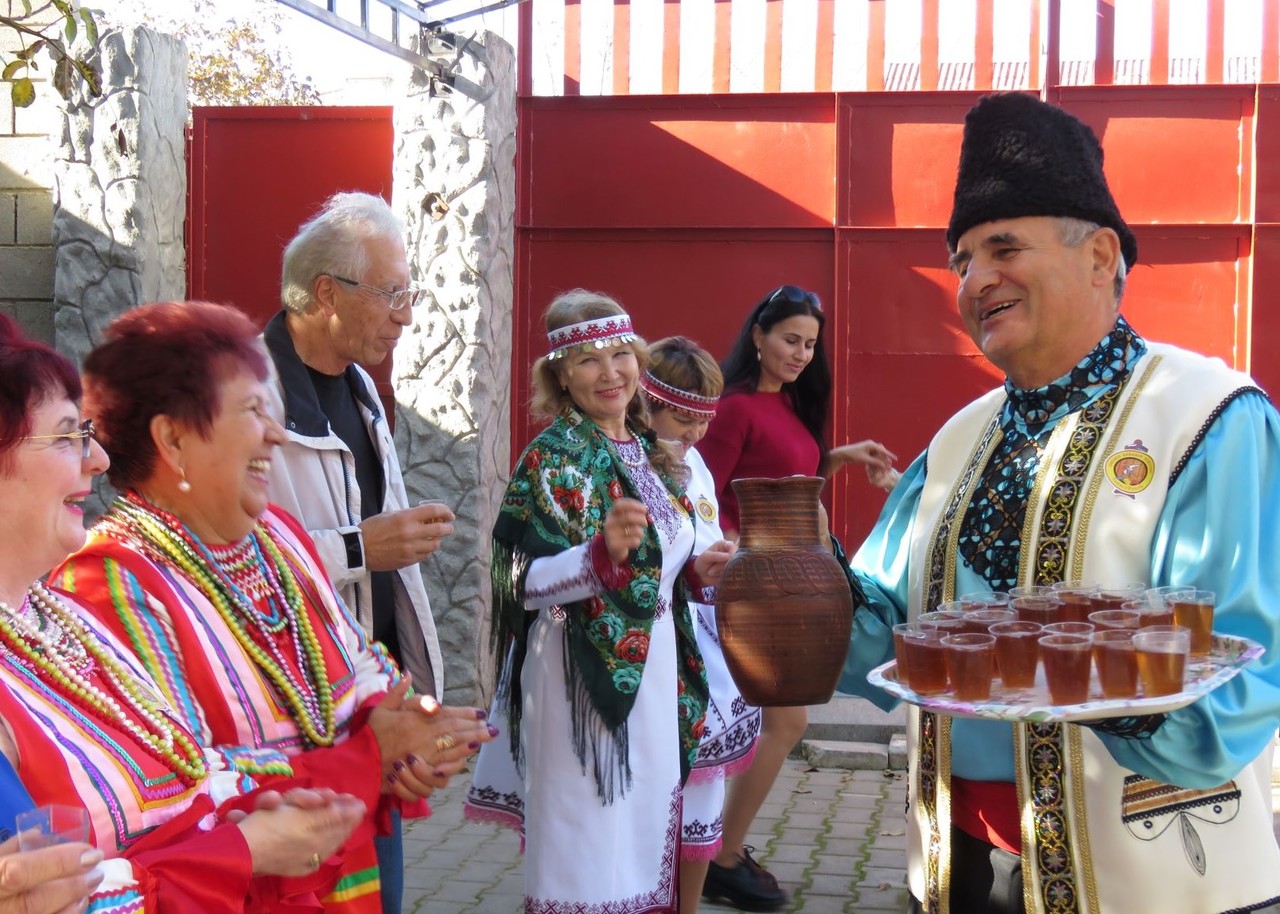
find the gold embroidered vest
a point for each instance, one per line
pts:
(1096, 838)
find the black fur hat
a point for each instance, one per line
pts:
(1022, 157)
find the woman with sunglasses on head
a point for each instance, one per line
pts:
(772, 422)
(594, 556)
(682, 385)
(83, 724)
(223, 596)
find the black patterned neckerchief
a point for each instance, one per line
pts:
(991, 531)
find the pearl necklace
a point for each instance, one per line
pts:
(166, 540)
(29, 640)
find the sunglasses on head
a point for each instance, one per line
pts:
(794, 295)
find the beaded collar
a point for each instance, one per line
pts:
(56, 649)
(282, 623)
(1106, 365)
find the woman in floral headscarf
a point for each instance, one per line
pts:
(603, 682)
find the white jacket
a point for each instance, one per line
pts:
(313, 477)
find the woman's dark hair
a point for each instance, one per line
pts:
(30, 374)
(810, 394)
(168, 358)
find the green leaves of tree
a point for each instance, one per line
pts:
(54, 36)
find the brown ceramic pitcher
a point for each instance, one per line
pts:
(783, 608)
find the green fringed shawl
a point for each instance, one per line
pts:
(558, 497)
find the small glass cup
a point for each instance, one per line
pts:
(1077, 599)
(1193, 610)
(1017, 652)
(1068, 660)
(1115, 618)
(1069, 628)
(970, 664)
(1162, 658)
(925, 659)
(1042, 610)
(984, 599)
(1117, 662)
(947, 620)
(1031, 590)
(1109, 596)
(1150, 611)
(980, 620)
(900, 633)
(54, 824)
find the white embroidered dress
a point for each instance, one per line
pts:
(581, 855)
(729, 740)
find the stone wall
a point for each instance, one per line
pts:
(121, 189)
(454, 185)
(26, 198)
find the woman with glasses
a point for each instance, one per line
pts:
(84, 725)
(223, 597)
(773, 422)
(594, 556)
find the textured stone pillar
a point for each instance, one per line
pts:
(455, 187)
(120, 189)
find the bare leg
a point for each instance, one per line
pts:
(780, 730)
(692, 874)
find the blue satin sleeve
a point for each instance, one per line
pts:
(1220, 531)
(881, 567)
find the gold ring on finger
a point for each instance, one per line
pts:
(314, 861)
(446, 742)
(626, 529)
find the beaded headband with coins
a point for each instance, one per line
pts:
(599, 333)
(681, 400)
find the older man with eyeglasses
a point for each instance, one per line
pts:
(346, 296)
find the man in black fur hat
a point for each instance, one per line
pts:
(1107, 458)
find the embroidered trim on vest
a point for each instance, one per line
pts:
(944, 548)
(927, 800)
(1204, 429)
(1059, 510)
(1048, 747)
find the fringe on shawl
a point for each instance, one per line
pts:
(609, 747)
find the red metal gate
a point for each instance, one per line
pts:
(254, 175)
(689, 208)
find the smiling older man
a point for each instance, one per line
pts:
(1167, 812)
(346, 295)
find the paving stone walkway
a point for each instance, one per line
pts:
(834, 838)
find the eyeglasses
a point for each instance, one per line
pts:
(796, 296)
(395, 300)
(84, 435)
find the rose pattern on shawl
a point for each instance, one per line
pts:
(633, 647)
(626, 679)
(644, 590)
(607, 628)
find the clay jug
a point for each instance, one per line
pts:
(783, 607)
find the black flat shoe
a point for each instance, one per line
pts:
(747, 886)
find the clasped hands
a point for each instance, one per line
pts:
(423, 742)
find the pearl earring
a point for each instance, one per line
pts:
(183, 485)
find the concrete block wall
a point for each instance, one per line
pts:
(27, 152)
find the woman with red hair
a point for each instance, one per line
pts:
(83, 725)
(223, 597)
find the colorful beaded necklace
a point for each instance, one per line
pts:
(36, 637)
(168, 541)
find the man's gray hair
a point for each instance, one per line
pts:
(1074, 232)
(332, 241)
